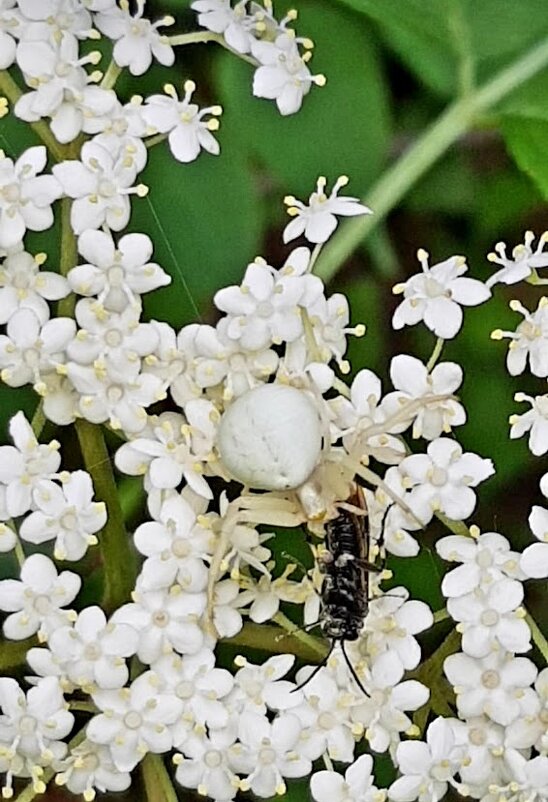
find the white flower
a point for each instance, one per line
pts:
(529, 341)
(491, 617)
(24, 286)
(54, 20)
(443, 478)
(535, 422)
(111, 341)
(29, 350)
(67, 514)
(234, 23)
(175, 548)
(317, 220)
(88, 767)
(435, 295)
(205, 765)
(270, 437)
(134, 721)
(534, 560)
(356, 786)
(483, 743)
(259, 686)
(60, 87)
(267, 753)
(283, 75)
(226, 620)
(33, 726)
(25, 196)
(523, 263)
(330, 318)
(529, 778)
(391, 623)
(137, 39)
(175, 450)
(36, 600)
(414, 385)
(10, 26)
(199, 685)
(496, 685)
(361, 421)
(116, 273)
(486, 559)
(427, 768)
(166, 621)
(23, 465)
(530, 729)
(214, 359)
(121, 401)
(90, 653)
(266, 594)
(8, 538)
(265, 309)
(100, 185)
(183, 121)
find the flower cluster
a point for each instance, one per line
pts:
(236, 427)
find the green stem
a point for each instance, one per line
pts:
(275, 641)
(456, 527)
(38, 420)
(13, 654)
(317, 646)
(458, 118)
(118, 556)
(111, 75)
(154, 140)
(538, 638)
(69, 257)
(9, 88)
(157, 782)
(435, 354)
(204, 37)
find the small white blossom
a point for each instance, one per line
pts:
(529, 341)
(427, 768)
(29, 350)
(491, 617)
(534, 560)
(116, 272)
(24, 464)
(257, 687)
(137, 39)
(233, 23)
(25, 196)
(317, 220)
(486, 558)
(32, 728)
(54, 21)
(283, 75)
(24, 286)
(424, 398)
(67, 514)
(88, 767)
(529, 778)
(183, 121)
(535, 421)
(435, 295)
(266, 308)
(134, 721)
(356, 786)
(524, 260)
(443, 478)
(88, 654)
(35, 601)
(10, 27)
(497, 685)
(100, 185)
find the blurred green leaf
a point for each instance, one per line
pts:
(342, 128)
(205, 221)
(527, 141)
(13, 399)
(528, 100)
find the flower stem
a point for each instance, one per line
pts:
(38, 420)
(538, 638)
(458, 118)
(111, 75)
(435, 354)
(119, 562)
(204, 37)
(157, 782)
(69, 257)
(154, 140)
(317, 646)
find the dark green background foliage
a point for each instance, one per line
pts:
(392, 67)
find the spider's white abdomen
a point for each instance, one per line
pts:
(270, 438)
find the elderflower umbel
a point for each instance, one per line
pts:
(435, 295)
(183, 121)
(317, 220)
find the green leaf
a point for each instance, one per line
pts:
(205, 221)
(528, 100)
(13, 399)
(342, 128)
(527, 141)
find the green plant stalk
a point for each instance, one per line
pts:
(455, 121)
(204, 37)
(538, 638)
(120, 568)
(157, 782)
